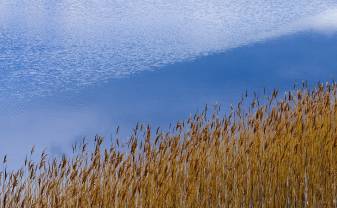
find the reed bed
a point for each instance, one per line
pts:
(277, 152)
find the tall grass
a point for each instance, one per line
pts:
(280, 152)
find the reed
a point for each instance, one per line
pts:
(276, 152)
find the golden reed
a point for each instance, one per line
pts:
(280, 152)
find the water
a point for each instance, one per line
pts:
(49, 46)
(71, 69)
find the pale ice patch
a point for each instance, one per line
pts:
(48, 46)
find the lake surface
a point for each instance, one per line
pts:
(71, 69)
(49, 46)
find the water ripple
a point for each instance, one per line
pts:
(48, 46)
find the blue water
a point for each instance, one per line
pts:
(73, 69)
(49, 46)
(168, 94)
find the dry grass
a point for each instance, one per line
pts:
(279, 154)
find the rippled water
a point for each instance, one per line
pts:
(59, 45)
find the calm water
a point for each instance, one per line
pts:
(71, 69)
(49, 46)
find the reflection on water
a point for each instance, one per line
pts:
(167, 95)
(57, 45)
